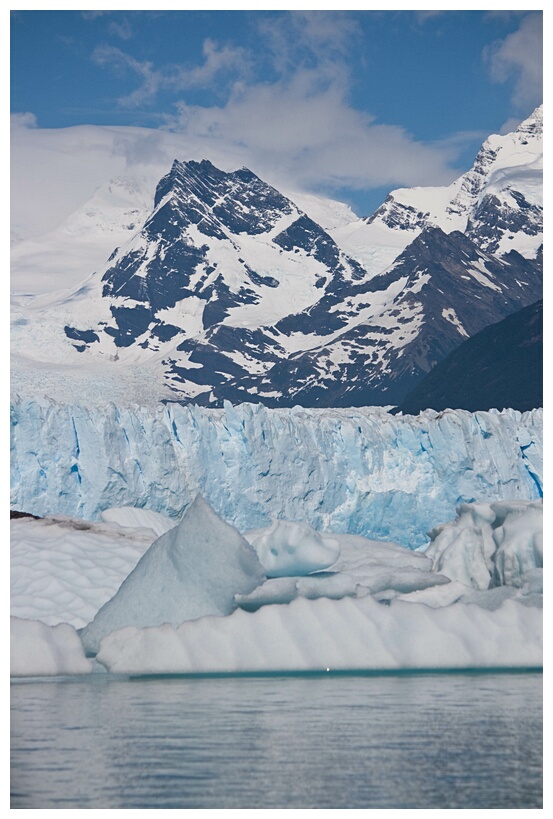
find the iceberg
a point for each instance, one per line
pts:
(193, 570)
(332, 635)
(38, 650)
(198, 601)
(129, 517)
(357, 471)
(64, 569)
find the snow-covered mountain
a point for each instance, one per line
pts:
(228, 290)
(497, 204)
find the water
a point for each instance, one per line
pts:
(411, 741)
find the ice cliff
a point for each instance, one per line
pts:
(360, 471)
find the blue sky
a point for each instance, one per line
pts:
(350, 104)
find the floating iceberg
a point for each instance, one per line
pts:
(191, 571)
(377, 606)
(323, 635)
(357, 471)
(38, 650)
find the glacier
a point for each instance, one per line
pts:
(358, 471)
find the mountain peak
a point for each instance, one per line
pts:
(533, 124)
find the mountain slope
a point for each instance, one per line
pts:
(497, 203)
(500, 367)
(227, 290)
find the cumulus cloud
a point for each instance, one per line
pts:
(310, 136)
(519, 58)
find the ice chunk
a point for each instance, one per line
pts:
(287, 549)
(193, 570)
(38, 650)
(130, 517)
(518, 536)
(309, 635)
(489, 544)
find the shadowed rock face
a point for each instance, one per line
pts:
(500, 367)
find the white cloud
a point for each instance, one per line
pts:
(310, 136)
(122, 29)
(219, 62)
(519, 57)
(22, 120)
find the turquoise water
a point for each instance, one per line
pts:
(404, 741)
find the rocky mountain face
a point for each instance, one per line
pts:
(235, 293)
(498, 203)
(499, 367)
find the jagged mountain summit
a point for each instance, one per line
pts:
(498, 204)
(228, 290)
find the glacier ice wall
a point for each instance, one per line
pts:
(360, 471)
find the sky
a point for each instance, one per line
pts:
(348, 104)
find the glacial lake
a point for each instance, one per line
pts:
(457, 740)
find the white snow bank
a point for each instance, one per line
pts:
(287, 549)
(321, 635)
(64, 569)
(38, 650)
(489, 544)
(193, 570)
(130, 517)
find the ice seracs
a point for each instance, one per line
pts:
(193, 570)
(489, 544)
(361, 471)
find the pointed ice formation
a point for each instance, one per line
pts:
(193, 570)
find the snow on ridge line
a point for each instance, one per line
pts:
(360, 471)
(321, 635)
